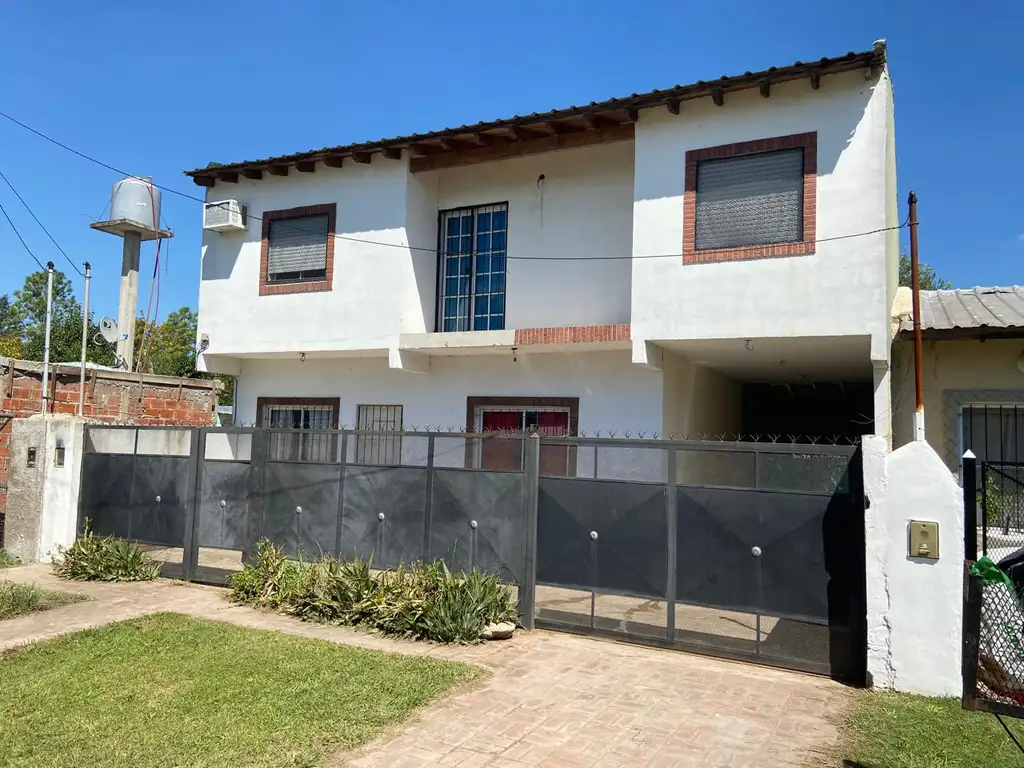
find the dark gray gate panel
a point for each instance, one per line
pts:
(798, 536)
(494, 500)
(717, 532)
(631, 548)
(106, 493)
(396, 494)
(159, 496)
(300, 512)
(227, 526)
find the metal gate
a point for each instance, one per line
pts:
(199, 499)
(752, 551)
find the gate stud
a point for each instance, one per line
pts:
(157, 499)
(593, 535)
(755, 551)
(298, 510)
(472, 524)
(380, 516)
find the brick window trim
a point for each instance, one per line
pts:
(809, 143)
(333, 402)
(306, 286)
(523, 404)
(573, 334)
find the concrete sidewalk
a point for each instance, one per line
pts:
(551, 699)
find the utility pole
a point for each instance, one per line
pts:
(46, 338)
(85, 341)
(130, 253)
(915, 288)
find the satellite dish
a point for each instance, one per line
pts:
(108, 329)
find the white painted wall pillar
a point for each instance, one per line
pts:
(43, 491)
(914, 605)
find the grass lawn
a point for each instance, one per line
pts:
(21, 599)
(170, 690)
(897, 730)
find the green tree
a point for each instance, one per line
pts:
(172, 346)
(926, 276)
(29, 308)
(10, 323)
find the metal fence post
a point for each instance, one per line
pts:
(528, 581)
(970, 484)
(190, 552)
(428, 503)
(258, 451)
(343, 470)
(671, 533)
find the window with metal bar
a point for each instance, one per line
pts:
(750, 199)
(297, 249)
(383, 448)
(993, 432)
(473, 245)
(304, 443)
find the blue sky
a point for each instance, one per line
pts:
(157, 88)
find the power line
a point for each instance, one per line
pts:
(41, 226)
(23, 243)
(629, 257)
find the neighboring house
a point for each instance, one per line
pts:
(710, 259)
(973, 366)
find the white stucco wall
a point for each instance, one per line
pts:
(614, 395)
(841, 289)
(914, 605)
(374, 286)
(699, 402)
(581, 207)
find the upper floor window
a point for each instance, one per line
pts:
(298, 250)
(472, 264)
(751, 200)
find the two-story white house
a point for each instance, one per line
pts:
(709, 259)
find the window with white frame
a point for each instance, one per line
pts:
(750, 199)
(307, 423)
(379, 448)
(297, 249)
(472, 255)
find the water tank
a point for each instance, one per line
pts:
(136, 199)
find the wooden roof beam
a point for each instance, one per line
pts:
(425, 149)
(526, 134)
(392, 153)
(597, 122)
(204, 181)
(815, 80)
(231, 177)
(334, 161)
(363, 158)
(306, 166)
(673, 106)
(765, 87)
(253, 173)
(278, 170)
(718, 96)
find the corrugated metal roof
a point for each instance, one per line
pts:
(995, 307)
(874, 58)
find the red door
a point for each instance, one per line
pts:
(496, 453)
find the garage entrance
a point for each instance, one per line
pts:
(746, 550)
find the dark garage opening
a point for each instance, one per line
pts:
(826, 410)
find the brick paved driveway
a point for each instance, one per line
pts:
(551, 699)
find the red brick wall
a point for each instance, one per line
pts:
(110, 396)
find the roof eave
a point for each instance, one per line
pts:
(586, 118)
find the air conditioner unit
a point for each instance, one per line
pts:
(225, 216)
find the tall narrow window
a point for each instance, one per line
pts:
(384, 448)
(472, 262)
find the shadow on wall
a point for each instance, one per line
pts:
(713, 126)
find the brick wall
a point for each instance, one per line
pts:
(110, 396)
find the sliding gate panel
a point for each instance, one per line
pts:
(757, 555)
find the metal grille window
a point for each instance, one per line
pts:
(993, 432)
(472, 260)
(384, 448)
(751, 199)
(297, 249)
(304, 444)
